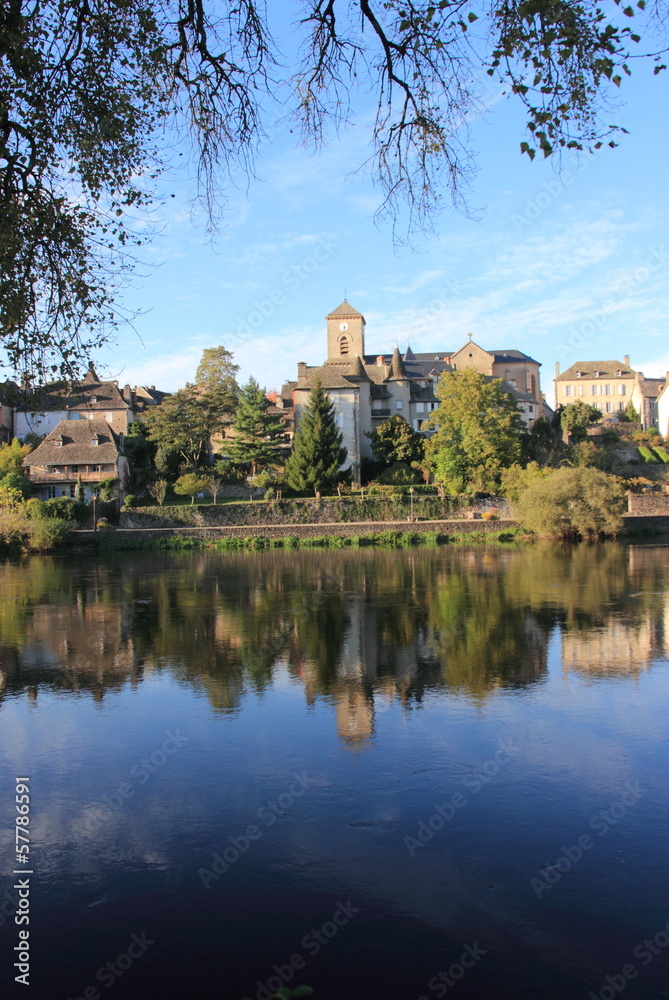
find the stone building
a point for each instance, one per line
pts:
(367, 389)
(41, 409)
(86, 450)
(610, 386)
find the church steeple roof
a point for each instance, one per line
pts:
(345, 310)
(397, 369)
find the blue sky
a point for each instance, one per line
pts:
(564, 265)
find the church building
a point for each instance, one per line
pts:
(367, 389)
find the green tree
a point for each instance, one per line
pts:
(12, 455)
(571, 503)
(184, 423)
(394, 440)
(88, 90)
(317, 456)
(140, 452)
(16, 481)
(477, 431)
(257, 432)
(190, 485)
(80, 492)
(630, 414)
(577, 417)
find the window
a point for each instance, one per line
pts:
(608, 390)
(534, 387)
(94, 468)
(419, 424)
(621, 406)
(95, 440)
(74, 468)
(608, 407)
(581, 390)
(569, 390)
(420, 407)
(49, 493)
(622, 390)
(530, 409)
(343, 345)
(58, 443)
(594, 390)
(399, 405)
(596, 373)
(651, 404)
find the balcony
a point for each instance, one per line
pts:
(68, 477)
(380, 413)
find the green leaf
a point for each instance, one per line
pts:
(472, 17)
(616, 80)
(284, 993)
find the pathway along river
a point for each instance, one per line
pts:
(397, 774)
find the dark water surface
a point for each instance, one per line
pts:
(381, 766)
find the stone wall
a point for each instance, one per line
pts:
(350, 530)
(293, 512)
(646, 504)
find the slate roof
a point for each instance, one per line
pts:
(88, 395)
(606, 369)
(76, 448)
(652, 387)
(501, 357)
(397, 369)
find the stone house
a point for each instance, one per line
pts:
(368, 389)
(76, 449)
(41, 409)
(610, 386)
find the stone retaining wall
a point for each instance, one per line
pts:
(648, 503)
(350, 530)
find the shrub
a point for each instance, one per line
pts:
(489, 515)
(572, 503)
(399, 474)
(646, 454)
(132, 501)
(64, 508)
(47, 533)
(662, 454)
(16, 481)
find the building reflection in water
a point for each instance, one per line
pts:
(360, 630)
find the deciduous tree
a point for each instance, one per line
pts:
(92, 93)
(477, 429)
(190, 485)
(577, 417)
(394, 440)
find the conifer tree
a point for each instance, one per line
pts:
(317, 453)
(257, 432)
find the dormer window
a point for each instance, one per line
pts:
(578, 374)
(58, 443)
(618, 373)
(94, 398)
(596, 373)
(95, 440)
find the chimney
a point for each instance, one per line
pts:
(127, 393)
(379, 360)
(301, 371)
(626, 360)
(557, 369)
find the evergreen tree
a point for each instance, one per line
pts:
(257, 432)
(317, 448)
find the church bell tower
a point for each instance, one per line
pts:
(346, 333)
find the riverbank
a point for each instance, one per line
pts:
(335, 534)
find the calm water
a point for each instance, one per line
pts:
(377, 766)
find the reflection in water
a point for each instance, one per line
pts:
(353, 628)
(338, 702)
